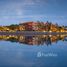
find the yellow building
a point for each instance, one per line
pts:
(53, 28)
(3, 28)
(62, 29)
(21, 27)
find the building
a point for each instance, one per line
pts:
(28, 26)
(53, 28)
(21, 27)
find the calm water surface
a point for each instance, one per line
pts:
(33, 51)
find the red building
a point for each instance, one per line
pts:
(30, 26)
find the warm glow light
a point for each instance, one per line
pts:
(50, 35)
(44, 31)
(50, 31)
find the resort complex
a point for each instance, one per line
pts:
(34, 26)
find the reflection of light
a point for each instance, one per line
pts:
(57, 34)
(50, 35)
(44, 35)
(62, 36)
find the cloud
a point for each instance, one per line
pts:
(34, 2)
(28, 2)
(31, 16)
(19, 12)
(20, 7)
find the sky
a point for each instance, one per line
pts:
(19, 11)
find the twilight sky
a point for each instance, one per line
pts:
(16, 11)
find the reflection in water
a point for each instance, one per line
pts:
(34, 40)
(16, 55)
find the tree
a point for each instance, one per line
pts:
(13, 27)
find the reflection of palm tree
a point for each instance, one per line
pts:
(47, 40)
(12, 39)
(39, 40)
(65, 38)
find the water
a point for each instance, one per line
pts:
(33, 51)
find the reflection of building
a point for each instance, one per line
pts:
(34, 40)
(31, 40)
(21, 39)
(54, 38)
